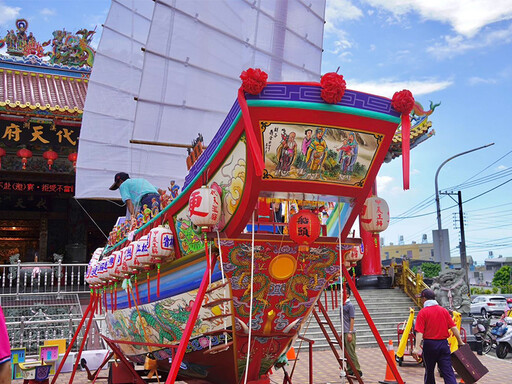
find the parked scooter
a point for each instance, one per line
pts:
(505, 342)
(482, 333)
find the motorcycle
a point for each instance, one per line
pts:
(505, 342)
(482, 333)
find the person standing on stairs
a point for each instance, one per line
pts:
(349, 333)
(432, 325)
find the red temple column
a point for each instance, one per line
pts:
(371, 267)
(370, 263)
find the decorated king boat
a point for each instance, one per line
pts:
(215, 281)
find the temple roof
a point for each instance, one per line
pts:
(23, 88)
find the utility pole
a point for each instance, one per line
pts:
(463, 257)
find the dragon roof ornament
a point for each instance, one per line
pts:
(67, 49)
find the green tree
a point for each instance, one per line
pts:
(431, 269)
(502, 277)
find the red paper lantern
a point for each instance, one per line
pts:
(25, 154)
(304, 229)
(375, 215)
(51, 156)
(2, 154)
(72, 157)
(353, 256)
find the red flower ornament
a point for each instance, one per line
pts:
(403, 102)
(253, 80)
(333, 87)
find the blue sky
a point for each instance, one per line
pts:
(455, 52)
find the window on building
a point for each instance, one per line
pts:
(409, 254)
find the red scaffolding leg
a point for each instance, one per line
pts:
(198, 302)
(369, 320)
(94, 297)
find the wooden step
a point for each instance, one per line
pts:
(212, 289)
(217, 317)
(218, 348)
(214, 303)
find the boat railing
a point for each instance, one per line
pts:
(276, 227)
(411, 283)
(42, 278)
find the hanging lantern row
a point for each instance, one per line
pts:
(49, 155)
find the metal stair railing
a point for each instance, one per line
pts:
(412, 284)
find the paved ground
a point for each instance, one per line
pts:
(325, 369)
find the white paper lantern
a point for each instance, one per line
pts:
(160, 245)
(130, 263)
(353, 256)
(142, 252)
(97, 253)
(114, 266)
(95, 280)
(375, 215)
(103, 269)
(204, 207)
(88, 273)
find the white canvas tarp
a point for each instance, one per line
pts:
(194, 54)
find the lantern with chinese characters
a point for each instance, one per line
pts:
(103, 270)
(25, 154)
(204, 207)
(160, 245)
(116, 272)
(72, 157)
(2, 154)
(374, 217)
(304, 229)
(50, 156)
(97, 253)
(131, 262)
(88, 272)
(92, 274)
(141, 251)
(352, 256)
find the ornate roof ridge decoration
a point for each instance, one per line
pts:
(34, 61)
(68, 49)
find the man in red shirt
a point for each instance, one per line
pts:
(432, 325)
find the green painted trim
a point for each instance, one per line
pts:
(323, 107)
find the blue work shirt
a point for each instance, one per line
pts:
(134, 189)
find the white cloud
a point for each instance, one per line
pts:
(456, 45)
(415, 172)
(386, 87)
(501, 167)
(47, 12)
(337, 11)
(8, 15)
(475, 80)
(466, 17)
(383, 182)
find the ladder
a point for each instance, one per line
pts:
(335, 344)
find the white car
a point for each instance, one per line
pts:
(488, 305)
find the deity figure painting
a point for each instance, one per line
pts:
(306, 152)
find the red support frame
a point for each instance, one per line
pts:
(198, 303)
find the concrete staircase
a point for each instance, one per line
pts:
(387, 307)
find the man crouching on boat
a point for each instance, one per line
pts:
(136, 193)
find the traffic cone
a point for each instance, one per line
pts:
(390, 378)
(290, 355)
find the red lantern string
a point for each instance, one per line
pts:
(158, 280)
(403, 102)
(111, 300)
(137, 290)
(128, 294)
(99, 301)
(105, 299)
(149, 287)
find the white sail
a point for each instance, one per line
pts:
(195, 52)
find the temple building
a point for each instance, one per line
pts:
(42, 95)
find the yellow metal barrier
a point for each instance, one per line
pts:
(452, 340)
(412, 284)
(405, 336)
